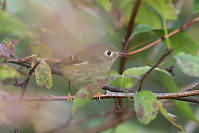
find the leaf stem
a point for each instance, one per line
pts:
(166, 33)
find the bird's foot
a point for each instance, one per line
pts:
(69, 98)
(98, 96)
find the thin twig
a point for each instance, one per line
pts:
(139, 45)
(117, 104)
(26, 64)
(117, 89)
(163, 38)
(3, 8)
(193, 86)
(152, 68)
(129, 31)
(189, 99)
(28, 78)
(16, 130)
(113, 89)
(126, 41)
(104, 96)
(130, 27)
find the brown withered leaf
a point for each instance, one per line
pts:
(7, 48)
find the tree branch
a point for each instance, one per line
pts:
(27, 64)
(164, 37)
(129, 31)
(130, 27)
(109, 94)
(28, 78)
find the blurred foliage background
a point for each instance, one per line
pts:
(57, 29)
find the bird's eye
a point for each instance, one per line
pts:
(108, 53)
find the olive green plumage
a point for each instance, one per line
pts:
(89, 63)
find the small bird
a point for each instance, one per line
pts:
(89, 63)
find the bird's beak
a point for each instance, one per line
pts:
(121, 54)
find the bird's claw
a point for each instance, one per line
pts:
(69, 98)
(98, 95)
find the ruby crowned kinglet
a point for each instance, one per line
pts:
(89, 63)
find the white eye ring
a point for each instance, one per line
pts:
(109, 53)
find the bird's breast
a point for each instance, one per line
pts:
(84, 73)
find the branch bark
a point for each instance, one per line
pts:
(177, 96)
(129, 31)
(28, 78)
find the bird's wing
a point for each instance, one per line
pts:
(71, 60)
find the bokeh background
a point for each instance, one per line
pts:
(66, 26)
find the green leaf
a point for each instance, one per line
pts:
(10, 25)
(114, 78)
(105, 4)
(84, 95)
(43, 75)
(170, 118)
(146, 106)
(170, 85)
(127, 81)
(195, 8)
(181, 42)
(115, 82)
(188, 63)
(185, 109)
(112, 73)
(144, 16)
(167, 81)
(128, 76)
(164, 8)
(139, 29)
(8, 72)
(82, 98)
